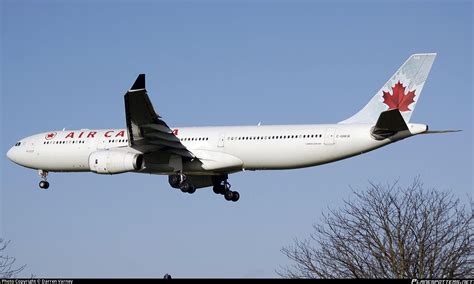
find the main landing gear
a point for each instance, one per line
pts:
(179, 181)
(220, 186)
(43, 184)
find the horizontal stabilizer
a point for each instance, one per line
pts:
(441, 131)
(389, 123)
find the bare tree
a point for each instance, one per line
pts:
(388, 232)
(7, 269)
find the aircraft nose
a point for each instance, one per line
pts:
(11, 155)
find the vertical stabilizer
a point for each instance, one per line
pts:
(401, 91)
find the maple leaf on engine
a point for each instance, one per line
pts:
(398, 99)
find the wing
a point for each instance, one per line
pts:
(147, 131)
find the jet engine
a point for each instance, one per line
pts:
(114, 162)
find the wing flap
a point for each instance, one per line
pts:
(158, 127)
(163, 136)
(162, 142)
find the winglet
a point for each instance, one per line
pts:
(139, 83)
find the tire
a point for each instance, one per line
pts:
(192, 189)
(43, 184)
(184, 187)
(218, 189)
(235, 196)
(228, 195)
(174, 181)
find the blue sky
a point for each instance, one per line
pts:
(67, 65)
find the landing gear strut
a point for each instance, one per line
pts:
(43, 184)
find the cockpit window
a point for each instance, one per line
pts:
(18, 144)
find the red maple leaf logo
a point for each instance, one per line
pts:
(399, 99)
(50, 135)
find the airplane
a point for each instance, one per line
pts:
(199, 157)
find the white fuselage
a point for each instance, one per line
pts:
(242, 147)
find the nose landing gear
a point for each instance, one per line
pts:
(43, 184)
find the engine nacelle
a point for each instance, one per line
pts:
(114, 162)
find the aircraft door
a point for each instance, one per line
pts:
(220, 141)
(329, 137)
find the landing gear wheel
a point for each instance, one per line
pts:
(228, 195)
(235, 196)
(174, 180)
(43, 184)
(218, 189)
(184, 186)
(192, 189)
